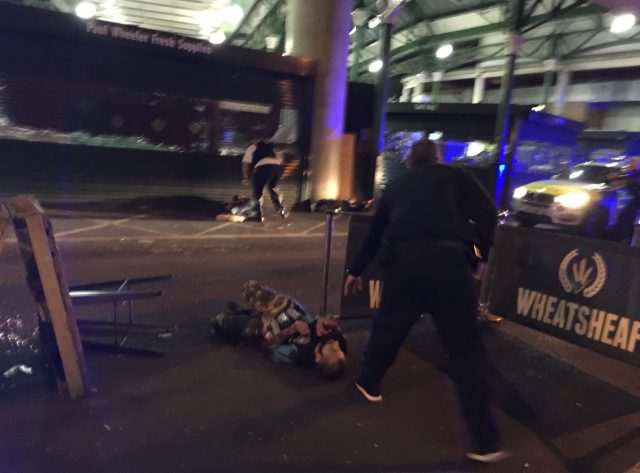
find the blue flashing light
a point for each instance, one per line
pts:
(502, 168)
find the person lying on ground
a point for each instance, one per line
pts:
(285, 331)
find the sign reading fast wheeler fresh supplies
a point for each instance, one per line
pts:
(583, 290)
(137, 35)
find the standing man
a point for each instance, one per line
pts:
(267, 169)
(425, 217)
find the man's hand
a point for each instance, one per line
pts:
(352, 285)
(302, 328)
(245, 182)
(325, 325)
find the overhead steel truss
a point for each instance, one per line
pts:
(567, 30)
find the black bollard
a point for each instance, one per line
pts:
(328, 234)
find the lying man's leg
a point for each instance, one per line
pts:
(237, 326)
(264, 299)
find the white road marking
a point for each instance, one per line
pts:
(149, 230)
(198, 238)
(321, 224)
(213, 229)
(315, 227)
(97, 226)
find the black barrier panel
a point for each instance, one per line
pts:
(582, 290)
(366, 303)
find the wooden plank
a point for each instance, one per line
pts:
(48, 284)
(60, 309)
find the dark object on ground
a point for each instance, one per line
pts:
(302, 206)
(240, 208)
(345, 205)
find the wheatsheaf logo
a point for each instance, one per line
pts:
(585, 276)
(589, 322)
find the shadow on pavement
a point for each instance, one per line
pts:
(169, 207)
(549, 397)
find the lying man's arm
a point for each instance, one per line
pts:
(282, 352)
(286, 353)
(297, 328)
(324, 325)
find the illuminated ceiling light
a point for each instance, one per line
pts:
(353, 30)
(218, 37)
(375, 66)
(444, 51)
(86, 10)
(234, 14)
(375, 22)
(623, 23)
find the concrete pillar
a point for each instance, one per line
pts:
(436, 85)
(478, 89)
(418, 93)
(562, 90)
(320, 30)
(406, 94)
(550, 67)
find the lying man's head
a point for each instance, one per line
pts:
(330, 359)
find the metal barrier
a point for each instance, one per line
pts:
(578, 289)
(582, 290)
(365, 303)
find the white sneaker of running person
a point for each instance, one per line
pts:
(488, 457)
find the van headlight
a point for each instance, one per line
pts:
(573, 200)
(519, 192)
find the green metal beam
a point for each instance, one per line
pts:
(478, 50)
(531, 25)
(246, 17)
(585, 42)
(470, 55)
(483, 52)
(429, 20)
(273, 12)
(479, 31)
(619, 42)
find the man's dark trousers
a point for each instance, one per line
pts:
(432, 276)
(267, 175)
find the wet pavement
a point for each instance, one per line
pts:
(209, 406)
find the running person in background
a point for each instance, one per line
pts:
(267, 170)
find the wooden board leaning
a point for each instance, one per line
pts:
(46, 279)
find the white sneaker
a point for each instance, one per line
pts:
(488, 457)
(371, 396)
